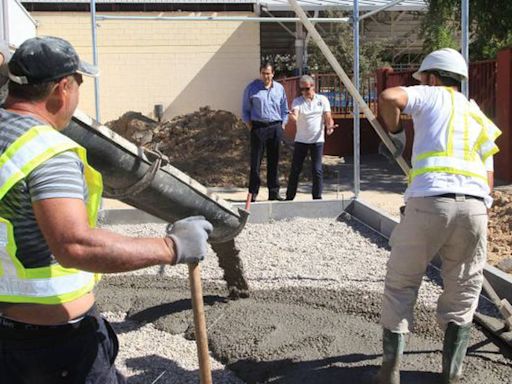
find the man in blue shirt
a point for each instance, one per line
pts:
(265, 111)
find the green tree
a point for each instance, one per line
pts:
(490, 26)
(339, 39)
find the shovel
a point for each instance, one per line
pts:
(205, 368)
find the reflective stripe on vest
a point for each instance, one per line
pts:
(50, 284)
(464, 153)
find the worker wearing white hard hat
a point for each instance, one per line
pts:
(446, 209)
(447, 62)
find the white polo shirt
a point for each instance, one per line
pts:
(430, 108)
(310, 122)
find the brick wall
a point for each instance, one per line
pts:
(182, 65)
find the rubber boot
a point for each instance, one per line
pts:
(393, 348)
(456, 339)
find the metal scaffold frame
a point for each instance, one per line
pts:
(352, 86)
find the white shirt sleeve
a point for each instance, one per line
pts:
(296, 103)
(326, 105)
(419, 97)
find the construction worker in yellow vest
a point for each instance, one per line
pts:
(446, 208)
(51, 254)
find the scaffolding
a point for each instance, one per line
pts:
(353, 86)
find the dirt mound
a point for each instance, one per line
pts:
(500, 228)
(211, 146)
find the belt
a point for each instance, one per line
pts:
(456, 196)
(258, 124)
(12, 329)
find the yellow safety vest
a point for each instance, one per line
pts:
(465, 152)
(52, 284)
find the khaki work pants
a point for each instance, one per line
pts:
(456, 229)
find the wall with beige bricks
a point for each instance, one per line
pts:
(182, 65)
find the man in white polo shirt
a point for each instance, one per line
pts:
(312, 113)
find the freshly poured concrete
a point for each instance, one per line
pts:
(292, 335)
(312, 316)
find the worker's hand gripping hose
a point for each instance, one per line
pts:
(398, 140)
(190, 238)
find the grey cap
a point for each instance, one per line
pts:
(44, 59)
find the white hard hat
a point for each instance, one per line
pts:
(444, 60)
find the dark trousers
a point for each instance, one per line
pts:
(299, 155)
(79, 353)
(265, 136)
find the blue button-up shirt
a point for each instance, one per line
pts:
(265, 105)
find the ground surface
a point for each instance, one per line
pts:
(382, 186)
(312, 316)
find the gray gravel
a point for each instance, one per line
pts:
(316, 287)
(319, 253)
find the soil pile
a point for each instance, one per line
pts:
(211, 146)
(500, 230)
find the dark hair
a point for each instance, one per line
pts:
(446, 80)
(30, 92)
(267, 65)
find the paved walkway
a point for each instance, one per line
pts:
(382, 184)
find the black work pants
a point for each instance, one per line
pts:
(265, 136)
(79, 353)
(299, 155)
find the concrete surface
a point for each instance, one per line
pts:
(295, 334)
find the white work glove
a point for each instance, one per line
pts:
(190, 237)
(398, 140)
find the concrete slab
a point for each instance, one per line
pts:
(261, 212)
(281, 210)
(373, 217)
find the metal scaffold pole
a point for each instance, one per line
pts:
(348, 84)
(465, 40)
(357, 120)
(95, 60)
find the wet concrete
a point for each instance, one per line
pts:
(231, 264)
(297, 335)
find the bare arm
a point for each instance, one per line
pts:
(490, 180)
(294, 114)
(64, 224)
(329, 123)
(391, 103)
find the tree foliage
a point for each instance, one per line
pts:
(339, 39)
(490, 26)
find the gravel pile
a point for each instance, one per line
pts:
(319, 253)
(500, 231)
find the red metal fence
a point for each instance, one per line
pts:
(330, 85)
(482, 86)
(490, 84)
(482, 83)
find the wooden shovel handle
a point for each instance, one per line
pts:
(205, 369)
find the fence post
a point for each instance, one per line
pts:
(503, 160)
(382, 76)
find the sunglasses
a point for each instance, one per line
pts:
(305, 89)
